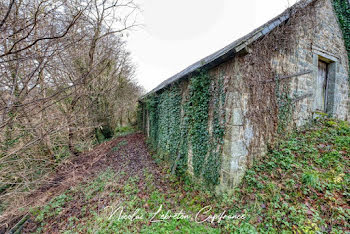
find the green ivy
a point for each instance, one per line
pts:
(151, 107)
(164, 112)
(184, 140)
(175, 123)
(199, 108)
(342, 9)
(169, 111)
(212, 167)
(139, 116)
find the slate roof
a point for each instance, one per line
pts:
(232, 49)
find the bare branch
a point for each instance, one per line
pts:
(7, 13)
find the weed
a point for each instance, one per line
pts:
(119, 145)
(300, 186)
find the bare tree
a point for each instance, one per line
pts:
(64, 74)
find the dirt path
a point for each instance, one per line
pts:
(128, 154)
(84, 193)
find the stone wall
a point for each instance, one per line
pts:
(244, 140)
(324, 41)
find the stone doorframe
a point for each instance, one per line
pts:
(332, 61)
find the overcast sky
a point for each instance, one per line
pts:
(178, 33)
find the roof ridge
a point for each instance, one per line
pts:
(233, 48)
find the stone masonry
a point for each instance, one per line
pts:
(244, 141)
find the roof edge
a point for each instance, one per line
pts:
(232, 49)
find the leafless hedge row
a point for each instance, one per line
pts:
(64, 72)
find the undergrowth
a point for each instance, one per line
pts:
(299, 186)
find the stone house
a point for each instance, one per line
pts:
(280, 76)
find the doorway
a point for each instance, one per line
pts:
(322, 86)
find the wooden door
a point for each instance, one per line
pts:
(321, 92)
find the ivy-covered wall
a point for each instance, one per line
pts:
(342, 9)
(179, 120)
(215, 123)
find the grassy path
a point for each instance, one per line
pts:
(300, 186)
(125, 192)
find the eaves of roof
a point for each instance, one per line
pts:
(231, 50)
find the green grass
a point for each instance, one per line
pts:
(301, 185)
(119, 145)
(53, 208)
(122, 131)
(118, 132)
